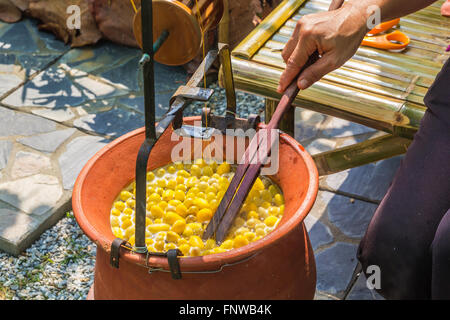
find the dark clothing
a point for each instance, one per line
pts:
(409, 235)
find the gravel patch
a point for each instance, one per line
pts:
(58, 266)
(246, 104)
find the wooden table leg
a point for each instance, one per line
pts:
(287, 124)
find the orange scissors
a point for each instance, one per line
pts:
(396, 40)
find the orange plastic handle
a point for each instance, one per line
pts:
(384, 26)
(386, 41)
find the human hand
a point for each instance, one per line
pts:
(335, 34)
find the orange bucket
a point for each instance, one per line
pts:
(279, 266)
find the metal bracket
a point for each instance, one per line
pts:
(197, 132)
(174, 264)
(192, 93)
(211, 124)
(144, 59)
(214, 124)
(222, 123)
(172, 258)
(218, 125)
(115, 252)
(227, 78)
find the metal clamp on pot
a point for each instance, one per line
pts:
(172, 259)
(115, 251)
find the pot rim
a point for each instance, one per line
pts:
(207, 262)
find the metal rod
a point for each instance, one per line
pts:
(150, 132)
(160, 41)
(156, 46)
(149, 83)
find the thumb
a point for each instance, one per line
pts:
(316, 71)
(304, 48)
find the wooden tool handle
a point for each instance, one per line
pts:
(292, 90)
(289, 95)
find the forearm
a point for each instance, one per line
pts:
(389, 9)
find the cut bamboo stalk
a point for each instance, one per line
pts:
(424, 44)
(432, 30)
(224, 25)
(362, 52)
(359, 154)
(419, 16)
(370, 67)
(426, 65)
(395, 68)
(369, 82)
(414, 113)
(256, 38)
(416, 48)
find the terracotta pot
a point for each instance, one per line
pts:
(279, 266)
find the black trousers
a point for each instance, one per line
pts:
(408, 237)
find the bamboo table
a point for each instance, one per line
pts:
(377, 88)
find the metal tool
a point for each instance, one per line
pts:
(253, 159)
(395, 40)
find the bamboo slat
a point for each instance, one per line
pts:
(267, 28)
(376, 107)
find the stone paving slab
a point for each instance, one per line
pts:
(78, 152)
(32, 180)
(55, 88)
(370, 181)
(5, 150)
(319, 233)
(35, 194)
(15, 228)
(320, 133)
(28, 164)
(47, 142)
(350, 216)
(114, 122)
(24, 51)
(335, 266)
(335, 226)
(340, 128)
(18, 123)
